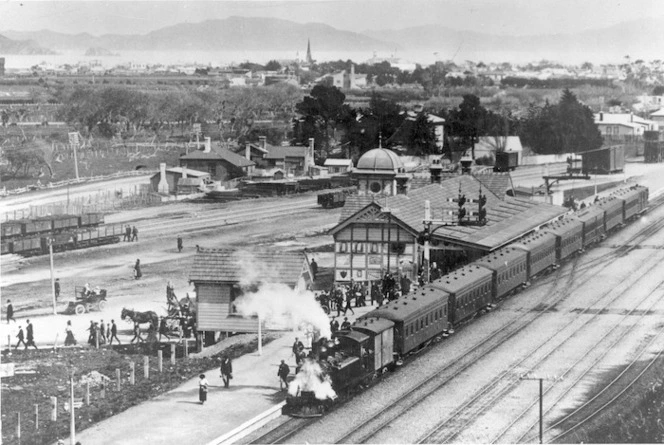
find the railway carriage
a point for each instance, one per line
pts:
(509, 267)
(5, 247)
(613, 212)
(417, 318)
(569, 236)
(469, 289)
(593, 224)
(635, 201)
(541, 249)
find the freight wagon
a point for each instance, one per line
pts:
(603, 160)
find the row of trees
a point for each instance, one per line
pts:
(567, 126)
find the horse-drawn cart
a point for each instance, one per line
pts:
(87, 301)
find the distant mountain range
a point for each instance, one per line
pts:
(23, 47)
(639, 39)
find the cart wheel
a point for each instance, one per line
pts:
(80, 309)
(101, 305)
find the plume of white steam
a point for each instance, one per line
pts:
(312, 378)
(278, 304)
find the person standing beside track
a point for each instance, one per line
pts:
(283, 372)
(202, 389)
(179, 244)
(69, 338)
(10, 312)
(137, 270)
(226, 370)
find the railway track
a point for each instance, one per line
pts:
(383, 419)
(613, 339)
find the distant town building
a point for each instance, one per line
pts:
(293, 160)
(623, 124)
(345, 80)
(221, 163)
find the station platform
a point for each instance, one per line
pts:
(177, 417)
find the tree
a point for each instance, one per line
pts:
(567, 127)
(323, 106)
(467, 123)
(422, 140)
(272, 65)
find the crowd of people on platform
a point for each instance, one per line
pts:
(344, 297)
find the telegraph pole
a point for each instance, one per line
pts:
(50, 254)
(541, 399)
(74, 141)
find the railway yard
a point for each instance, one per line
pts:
(591, 329)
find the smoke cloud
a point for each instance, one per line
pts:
(279, 305)
(312, 378)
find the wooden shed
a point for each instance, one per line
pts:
(221, 276)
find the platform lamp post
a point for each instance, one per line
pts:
(260, 337)
(50, 254)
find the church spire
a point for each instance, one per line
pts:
(309, 59)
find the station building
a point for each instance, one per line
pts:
(380, 229)
(221, 276)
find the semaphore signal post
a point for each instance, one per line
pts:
(460, 216)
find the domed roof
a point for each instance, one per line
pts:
(380, 159)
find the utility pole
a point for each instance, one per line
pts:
(72, 424)
(50, 254)
(260, 337)
(74, 141)
(541, 399)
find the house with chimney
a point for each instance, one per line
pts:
(178, 180)
(221, 163)
(623, 124)
(291, 160)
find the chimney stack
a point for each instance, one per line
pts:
(184, 171)
(601, 116)
(262, 141)
(208, 145)
(631, 117)
(162, 187)
(247, 151)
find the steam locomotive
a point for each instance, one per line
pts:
(383, 337)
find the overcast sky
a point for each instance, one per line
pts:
(511, 17)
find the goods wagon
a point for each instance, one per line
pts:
(506, 161)
(604, 160)
(12, 228)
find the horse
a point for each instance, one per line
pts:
(141, 317)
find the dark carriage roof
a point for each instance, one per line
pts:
(266, 266)
(534, 240)
(408, 306)
(507, 219)
(458, 280)
(589, 213)
(569, 223)
(372, 324)
(501, 258)
(610, 203)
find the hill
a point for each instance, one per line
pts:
(233, 33)
(639, 39)
(22, 47)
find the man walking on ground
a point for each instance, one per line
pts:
(10, 311)
(283, 372)
(102, 331)
(226, 370)
(20, 338)
(134, 233)
(57, 288)
(127, 235)
(30, 336)
(114, 333)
